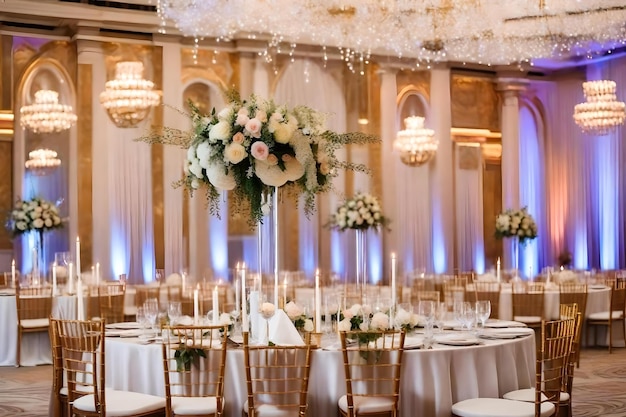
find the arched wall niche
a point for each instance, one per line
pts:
(412, 101)
(45, 73)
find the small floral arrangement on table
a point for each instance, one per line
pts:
(363, 211)
(37, 215)
(516, 223)
(297, 316)
(360, 318)
(254, 145)
(406, 320)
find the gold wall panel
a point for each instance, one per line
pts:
(6, 92)
(492, 205)
(156, 150)
(474, 102)
(84, 125)
(6, 190)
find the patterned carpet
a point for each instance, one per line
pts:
(599, 387)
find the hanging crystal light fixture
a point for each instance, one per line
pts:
(129, 97)
(415, 144)
(601, 112)
(46, 114)
(42, 161)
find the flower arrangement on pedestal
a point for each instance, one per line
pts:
(516, 223)
(36, 215)
(300, 320)
(252, 146)
(361, 212)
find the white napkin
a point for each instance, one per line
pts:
(174, 279)
(257, 323)
(282, 330)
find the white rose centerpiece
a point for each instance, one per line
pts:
(36, 215)
(516, 223)
(361, 212)
(253, 145)
(360, 318)
(298, 317)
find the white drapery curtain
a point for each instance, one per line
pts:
(469, 209)
(301, 84)
(130, 199)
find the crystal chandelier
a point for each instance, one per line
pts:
(129, 97)
(41, 161)
(434, 30)
(601, 112)
(46, 114)
(415, 144)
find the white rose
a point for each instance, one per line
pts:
(225, 319)
(20, 225)
(48, 222)
(220, 131)
(219, 178)
(380, 321)
(402, 317)
(225, 113)
(56, 220)
(234, 153)
(267, 310)
(283, 133)
(203, 153)
(38, 223)
(271, 175)
(344, 325)
(293, 310)
(308, 325)
(355, 310)
(195, 168)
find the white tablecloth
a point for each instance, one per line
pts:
(432, 379)
(35, 346)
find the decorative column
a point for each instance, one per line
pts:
(442, 170)
(388, 131)
(173, 157)
(510, 89)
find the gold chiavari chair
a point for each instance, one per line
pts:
(83, 350)
(489, 291)
(615, 314)
(34, 307)
(575, 293)
(454, 290)
(545, 398)
(59, 391)
(111, 302)
(528, 303)
(277, 379)
(194, 363)
(425, 296)
(568, 311)
(373, 371)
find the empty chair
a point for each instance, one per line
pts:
(372, 372)
(277, 379)
(83, 350)
(615, 314)
(528, 303)
(59, 390)
(552, 359)
(106, 302)
(194, 361)
(34, 307)
(489, 291)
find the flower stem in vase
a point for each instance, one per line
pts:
(516, 256)
(361, 262)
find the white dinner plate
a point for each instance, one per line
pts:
(597, 287)
(123, 333)
(500, 324)
(458, 341)
(510, 334)
(127, 325)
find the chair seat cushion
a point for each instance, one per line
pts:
(194, 405)
(122, 403)
(528, 395)
(34, 323)
(363, 404)
(270, 410)
(499, 407)
(604, 315)
(528, 319)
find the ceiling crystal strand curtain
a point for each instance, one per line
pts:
(617, 72)
(130, 184)
(531, 188)
(469, 209)
(300, 84)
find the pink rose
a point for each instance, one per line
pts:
(242, 117)
(259, 150)
(271, 159)
(238, 138)
(253, 127)
(261, 115)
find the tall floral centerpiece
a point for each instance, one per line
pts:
(34, 216)
(360, 213)
(518, 224)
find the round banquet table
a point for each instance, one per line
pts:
(432, 380)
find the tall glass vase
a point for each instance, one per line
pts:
(38, 273)
(361, 262)
(516, 257)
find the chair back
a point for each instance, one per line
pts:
(424, 296)
(568, 311)
(33, 303)
(454, 290)
(194, 361)
(277, 378)
(528, 302)
(489, 291)
(574, 293)
(111, 302)
(568, 382)
(58, 400)
(618, 295)
(142, 293)
(373, 366)
(557, 337)
(82, 348)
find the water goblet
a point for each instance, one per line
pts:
(483, 311)
(468, 316)
(441, 312)
(457, 310)
(143, 322)
(151, 311)
(174, 312)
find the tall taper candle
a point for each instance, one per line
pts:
(244, 309)
(237, 291)
(216, 306)
(318, 303)
(54, 278)
(196, 306)
(70, 278)
(498, 269)
(13, 273)
(393, 281)
(97, 273)
(77, 257)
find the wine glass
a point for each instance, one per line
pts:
(143, 321)
(151, 311)
(468, 315)
(441, 311)
(483, 311)
(174, 312)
